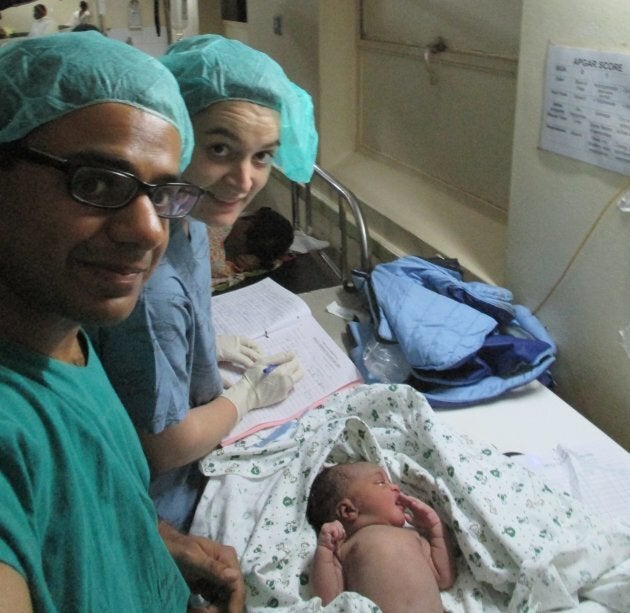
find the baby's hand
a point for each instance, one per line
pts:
(331, 535)
(420, 515)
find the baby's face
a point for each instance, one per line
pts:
(376, 497)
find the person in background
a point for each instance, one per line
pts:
(363, 546)
(42, 23)
(90, 158)
(81, 16)
(163, 360)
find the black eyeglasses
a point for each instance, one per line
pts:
(113, 189)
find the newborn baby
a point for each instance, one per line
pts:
(363, 545)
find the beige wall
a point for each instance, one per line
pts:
(296, 48)
(210, 17)
(388, 164)
(568, 243)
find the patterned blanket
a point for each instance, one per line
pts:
(523, 546)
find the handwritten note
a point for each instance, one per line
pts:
(279, 321)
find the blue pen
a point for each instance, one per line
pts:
(269, 368)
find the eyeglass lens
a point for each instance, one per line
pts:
(111, 189)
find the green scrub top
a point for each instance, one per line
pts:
(76, 520)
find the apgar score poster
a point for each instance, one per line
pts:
(586, 112)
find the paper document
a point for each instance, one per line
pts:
(585, 114)
(279, 321)
(596, 475)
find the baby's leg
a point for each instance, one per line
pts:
(392, 572)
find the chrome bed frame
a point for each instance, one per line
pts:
(338, 258)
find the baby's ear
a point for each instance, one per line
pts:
(346, 511)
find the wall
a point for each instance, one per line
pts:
(210, 17)
(445, 218)
(447, 114)
(295, 49)
(568, 243)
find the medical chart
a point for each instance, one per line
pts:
(280, 321)
(586, 111)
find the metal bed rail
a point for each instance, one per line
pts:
(346, 201)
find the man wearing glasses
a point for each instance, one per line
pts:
(93, 134)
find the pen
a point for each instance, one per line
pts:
(269, 368)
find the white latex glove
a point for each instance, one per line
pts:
(238, 350)
(257, 388)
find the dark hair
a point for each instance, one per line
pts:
(85, 27)
(269, 236)
(327, 490)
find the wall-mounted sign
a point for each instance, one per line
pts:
(586, 113)
(134, 18)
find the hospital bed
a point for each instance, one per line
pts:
(526, 543)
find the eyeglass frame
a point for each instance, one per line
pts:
(70, 167)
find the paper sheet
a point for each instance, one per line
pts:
(598, 476)
(252, 310)
(585, 115)
(280, 321)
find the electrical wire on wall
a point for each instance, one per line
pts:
(618, 198)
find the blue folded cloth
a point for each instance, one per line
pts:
(466, 342)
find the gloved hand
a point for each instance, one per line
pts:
(269, 381)
(238, 350)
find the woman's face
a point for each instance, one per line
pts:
(235, 142)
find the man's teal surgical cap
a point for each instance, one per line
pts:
(210, 68)
(45, 78)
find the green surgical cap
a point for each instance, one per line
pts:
(47, 77)
(210, 68)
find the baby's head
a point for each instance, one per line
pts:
(265, 234)
(269, 236)
(357, 494)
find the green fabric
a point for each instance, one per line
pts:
(210, 68)
(75, 518)
(44, 78)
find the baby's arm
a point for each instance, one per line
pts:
(327, 575)
(428, 522)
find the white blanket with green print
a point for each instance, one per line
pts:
(523, 546)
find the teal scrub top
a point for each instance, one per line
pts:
(75, 519)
